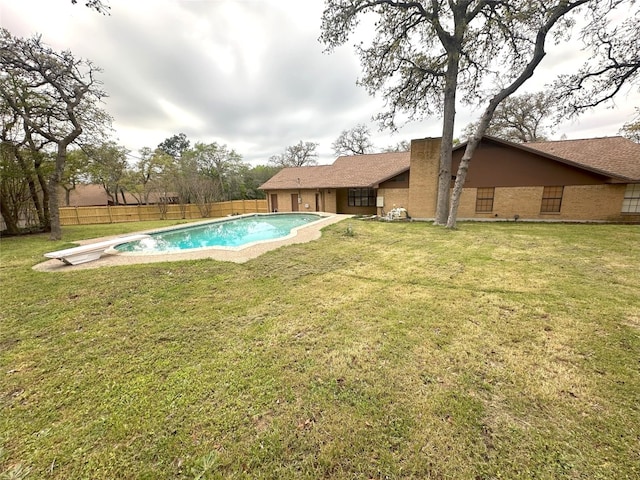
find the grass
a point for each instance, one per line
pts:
(379, 351)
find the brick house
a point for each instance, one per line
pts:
(569, 180)
(351, 185)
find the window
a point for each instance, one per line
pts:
(484, 199)
(399, 178)
(631, 202)
(551, 200)
(362, 197)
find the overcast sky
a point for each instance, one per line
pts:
(250, 74)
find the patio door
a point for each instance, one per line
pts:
(294, 202)
(274, 202)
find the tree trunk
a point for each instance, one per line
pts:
(54, 208)
(54, 202)
(46, 219)
(538, 54)
(67, 194)
(35, 197)
(461, 177)
(10, 221)
(448, 124)
(46, 224)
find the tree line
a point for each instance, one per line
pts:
(424, 58)
(51, 118)
(50, 109)
(173, 172)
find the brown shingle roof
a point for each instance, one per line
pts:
(90, 195)
(614, 156)
(347, 171)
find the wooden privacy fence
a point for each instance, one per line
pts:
(139, 213)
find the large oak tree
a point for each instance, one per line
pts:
(57, 98)
(427, 55)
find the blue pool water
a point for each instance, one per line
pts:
(234, 232)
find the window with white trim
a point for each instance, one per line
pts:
(631, 202)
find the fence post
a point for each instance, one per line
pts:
(109, 211)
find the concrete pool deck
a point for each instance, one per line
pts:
(304, 234)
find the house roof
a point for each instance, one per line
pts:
(84, 196)
(367, 170)
(91, 195)
(614, 156)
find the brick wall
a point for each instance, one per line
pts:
(423, 182)
(307, 203)
(579, 202)
(393, 197)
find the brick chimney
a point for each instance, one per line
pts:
(423, 180)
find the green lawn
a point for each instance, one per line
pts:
(504, 350)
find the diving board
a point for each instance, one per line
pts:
(92, 251)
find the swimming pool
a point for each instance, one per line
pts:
(230, 233)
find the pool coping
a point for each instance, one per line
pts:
(303, 234)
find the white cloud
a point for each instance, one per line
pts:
(250, 74)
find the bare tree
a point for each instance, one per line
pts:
(401, 146)
(299, 155)
(521, 118)
(67, 95)
(356, 141)
(99, 6)
(614, 62)
(631, 129)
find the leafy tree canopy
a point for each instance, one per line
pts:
(56, 98)
(175, 145)
(427, 55)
